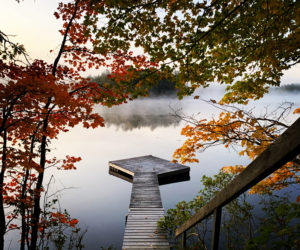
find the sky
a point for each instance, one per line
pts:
(33, 24)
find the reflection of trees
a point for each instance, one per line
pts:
(151, 113)
(292, 88)
(133, 121)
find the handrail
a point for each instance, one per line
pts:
(284, 149)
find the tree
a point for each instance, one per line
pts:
(162, 88)
(237, 222)
(243, 44)
(10, 50)
(39, 101)
(247, 133)
(36, 106)
(242, 226)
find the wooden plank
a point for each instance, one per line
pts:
(142, 242)
(141, 227)
(149, 239)
(142, 205)
(148, 230)
(152, 233)
(284, 149)
(145, 211)
(148, 164)
(142, 211)
(145, 237)
(145, 217)
(139, 232)
(149, 197)
(142, 223)
(121, 169)
(153, 212)
(147, 182)
(145, 247)
(216, 229)
(149, 215)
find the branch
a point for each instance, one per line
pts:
(61, 50)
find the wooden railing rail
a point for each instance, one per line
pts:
(284, 149)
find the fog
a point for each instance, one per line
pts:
(152, 113)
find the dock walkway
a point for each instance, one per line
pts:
(145, 210)
(146, 174)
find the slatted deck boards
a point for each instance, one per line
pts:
(145, 209)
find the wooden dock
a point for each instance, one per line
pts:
(145, 209)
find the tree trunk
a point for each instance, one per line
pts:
(2, 212)
(37, 191)
(23, 211)
(25, 226)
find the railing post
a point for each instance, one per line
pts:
(216, 228)
(184, 239)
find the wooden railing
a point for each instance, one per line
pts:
(283, 150)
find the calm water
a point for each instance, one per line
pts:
(100, 201)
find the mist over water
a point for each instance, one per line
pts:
(141, 113)
(163, 111)
(141, 127)
(156, 112)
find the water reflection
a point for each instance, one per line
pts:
(151, 113)
(101, 201)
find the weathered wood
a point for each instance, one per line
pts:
(145, 209)
(142, 181)
(149, 231)
(284, 149)
(121, 176)
(144, 243)
(184, 240)
(216, 229)
(147, 248)
(149, 163)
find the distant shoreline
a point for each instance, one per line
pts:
(292, 87)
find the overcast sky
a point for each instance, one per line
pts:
(34, 25)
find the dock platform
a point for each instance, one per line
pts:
(146, 173)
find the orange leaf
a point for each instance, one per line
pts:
(296, 111)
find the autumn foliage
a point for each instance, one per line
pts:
(41, 100)
(36, 106)
(243, 44)
(246, 132)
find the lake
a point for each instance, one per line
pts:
(143, 127)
